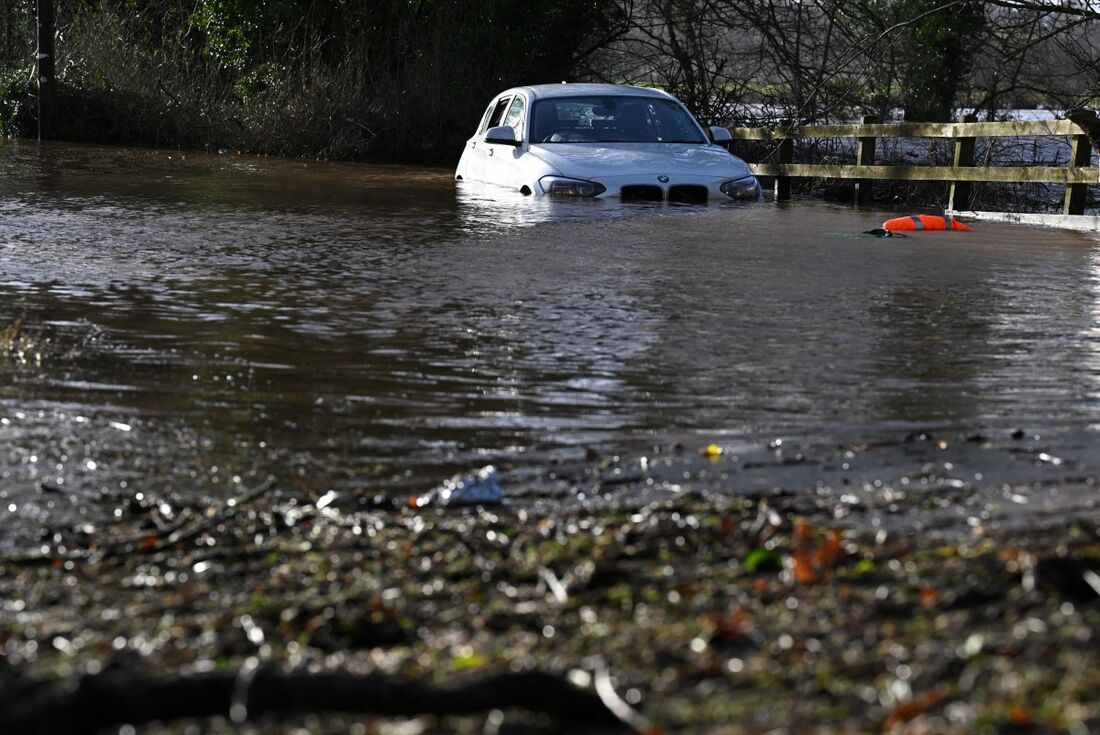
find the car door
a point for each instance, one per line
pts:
(472, 166)
(502, 161)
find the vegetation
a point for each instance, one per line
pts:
(379, 80)
(403, 79)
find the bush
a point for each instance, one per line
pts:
(387, 80)
(16, 103)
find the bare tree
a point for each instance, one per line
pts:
(737, 61)
(807, 60)
(1044, 51)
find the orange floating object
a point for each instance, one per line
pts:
(922, 222)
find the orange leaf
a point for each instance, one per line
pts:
(830, 550)
(810, 560)
(803, 568)
(910, 709)
(732, 626)
(1019, 716)
(802, 531)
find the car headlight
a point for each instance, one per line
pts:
(745, 188)
(561, 186)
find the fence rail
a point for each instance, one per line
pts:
(1076, 176)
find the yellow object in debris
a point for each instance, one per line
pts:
(712, 450)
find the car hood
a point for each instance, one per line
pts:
(593, 160)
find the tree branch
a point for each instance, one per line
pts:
(103, 700)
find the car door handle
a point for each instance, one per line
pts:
(490, 151)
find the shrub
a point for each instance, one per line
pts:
(16, 103)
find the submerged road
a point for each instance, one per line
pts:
(182, 325)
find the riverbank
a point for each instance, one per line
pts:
(672, 606)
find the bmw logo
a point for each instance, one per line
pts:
(663, 179)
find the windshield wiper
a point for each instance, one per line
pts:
(646, 142)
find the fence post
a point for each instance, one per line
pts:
(865, 156)
(785, 155)
(959, 192)
(1080, 154)
(44, 63)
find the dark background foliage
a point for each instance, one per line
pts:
(407, 79)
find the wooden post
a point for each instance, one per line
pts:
(958, 195)
(44, 63)
(865, 156)
(1080, 154)
(785, 155)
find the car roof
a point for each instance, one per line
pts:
(544, 91)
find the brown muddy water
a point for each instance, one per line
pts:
(192, 324)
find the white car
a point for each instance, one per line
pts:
(602, 140)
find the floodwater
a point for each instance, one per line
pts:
(194, 323)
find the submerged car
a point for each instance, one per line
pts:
(602, 140)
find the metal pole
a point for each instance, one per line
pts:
(44, 61)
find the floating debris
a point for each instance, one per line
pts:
(880, 232)
(916, 222)
(479, 488)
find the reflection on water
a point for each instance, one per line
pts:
(367, 327)
(483, 207)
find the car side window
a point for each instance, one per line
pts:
(497, 114)
(515, 116)
(485, 118)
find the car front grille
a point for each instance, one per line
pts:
(680, 194)
(641, 193)
(688, 194)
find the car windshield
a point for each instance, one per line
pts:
(612, 119)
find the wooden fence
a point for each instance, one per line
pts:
(1076, 176)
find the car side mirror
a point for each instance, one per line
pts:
(504, 135)
(721, 136)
